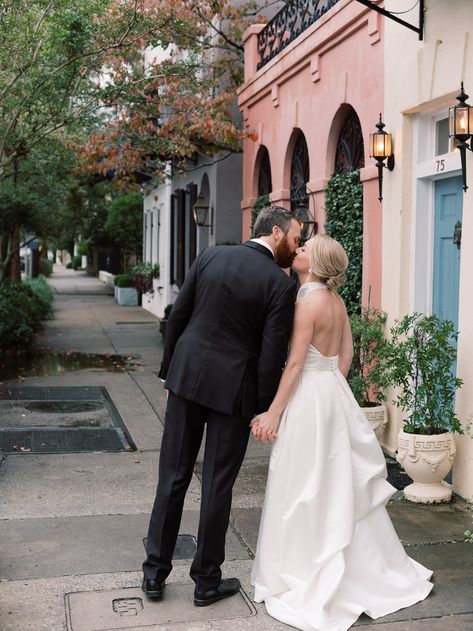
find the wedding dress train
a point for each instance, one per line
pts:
(327, 550)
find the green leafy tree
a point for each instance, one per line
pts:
(125, 223)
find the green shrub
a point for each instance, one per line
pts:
(44, 295)
(22, 307)
(69, 265)
(143, 276)
(367, 370)
(419, 360)
(76, 262)
(123, 280)
(45, 267)
(16, 328)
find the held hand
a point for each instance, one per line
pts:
(264, 427)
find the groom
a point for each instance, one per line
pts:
(225, 348)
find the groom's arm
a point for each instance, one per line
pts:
(275, 341)
(179, 317)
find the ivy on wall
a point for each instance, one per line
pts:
(344, 212)
(261, 202)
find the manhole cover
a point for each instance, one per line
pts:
(60, 420)
(63, 406)
(186, 547)
(129, 609)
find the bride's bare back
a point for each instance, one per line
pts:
(324, 312)
(328, 315)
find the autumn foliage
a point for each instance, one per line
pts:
(170, 94)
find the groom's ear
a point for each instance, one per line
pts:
(277, 233)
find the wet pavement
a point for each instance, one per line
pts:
(72, 524)
(22, 364)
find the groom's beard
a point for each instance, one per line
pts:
(283, 255)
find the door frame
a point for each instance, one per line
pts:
(428, 168)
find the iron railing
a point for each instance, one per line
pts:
(287, 24)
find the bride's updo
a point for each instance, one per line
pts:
(328, 261)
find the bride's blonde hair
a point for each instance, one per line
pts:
(328, 261)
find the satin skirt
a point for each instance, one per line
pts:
(327, 550)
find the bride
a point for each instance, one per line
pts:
(327, 550)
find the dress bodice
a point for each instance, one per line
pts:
(314, 359)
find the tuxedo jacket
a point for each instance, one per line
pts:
(228, 332)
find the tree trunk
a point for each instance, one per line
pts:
(15, 271)
(5, 256)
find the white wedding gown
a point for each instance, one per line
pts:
(327, 550)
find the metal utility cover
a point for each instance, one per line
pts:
(60, 420)
(186, 547)
(129, 608)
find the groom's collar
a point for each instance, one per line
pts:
(265, 244)
(261, 246)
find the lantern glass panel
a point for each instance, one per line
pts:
(451, 121)
(462, 121)
(380, 145)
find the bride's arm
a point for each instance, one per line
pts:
(265, 425)
(345, 354)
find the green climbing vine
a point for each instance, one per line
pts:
(344, 212)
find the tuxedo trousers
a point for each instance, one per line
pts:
(225, 446)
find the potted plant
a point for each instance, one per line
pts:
(164, 320)
(143, 277)
(368, 367)
(419, 358)
(126, 294)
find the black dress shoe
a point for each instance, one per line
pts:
(227, 587)
(152, 588)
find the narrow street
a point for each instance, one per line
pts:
(72, 524)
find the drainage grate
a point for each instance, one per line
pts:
(52, 441)
(61, 420)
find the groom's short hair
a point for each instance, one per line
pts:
(269, 217)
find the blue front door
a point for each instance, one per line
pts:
(448, 215)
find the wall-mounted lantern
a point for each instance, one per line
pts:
(381, 149)
(460, 122)
(301, 197)
(201, 213)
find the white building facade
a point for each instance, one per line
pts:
(424, 267)
(171, 236)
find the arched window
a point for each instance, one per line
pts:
(299, 173)
(350, 154)
(265, 185)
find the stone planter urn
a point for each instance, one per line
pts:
(377, 417)
(427, 459)
(126, 296)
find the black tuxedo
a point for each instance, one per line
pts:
(225, 348)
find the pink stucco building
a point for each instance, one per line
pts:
(313, 92)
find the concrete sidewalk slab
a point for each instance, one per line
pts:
(70, 485)
(418, 523)
(39, 548)
(445, 623)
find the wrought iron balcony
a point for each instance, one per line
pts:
(287, 24)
